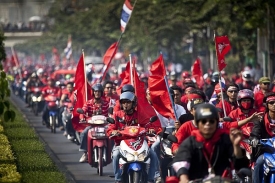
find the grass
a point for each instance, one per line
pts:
(32, 161)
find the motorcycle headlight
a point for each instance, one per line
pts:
(142, 156)
(129, 156)
(39, 98)
(34, 99)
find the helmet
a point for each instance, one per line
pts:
(245, 94)
(215, 78)
(246, 76)
(39, 71)
(128, 88)
(185, 74)
(206, 111)
(128, 96)
(98, 87)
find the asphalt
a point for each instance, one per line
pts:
(63, 152)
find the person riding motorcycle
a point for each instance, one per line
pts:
(96, 106)
(209, 150)
(33, 81)
(127, 116)
(263, 129)
(51, 89)
(125, 88)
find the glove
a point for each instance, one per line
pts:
(254, 142)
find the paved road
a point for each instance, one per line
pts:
(63, 152)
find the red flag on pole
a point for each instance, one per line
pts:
(145, 110)
(222, 48)
(158, 90)
(83, 93)
(197, 72)
(125, 77)
(108, 56)
(157, 67)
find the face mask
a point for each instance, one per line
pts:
(246, 105)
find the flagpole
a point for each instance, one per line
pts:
(16, 62)
(131, 70)
(85, 78)
(171, 100)
(220, 83)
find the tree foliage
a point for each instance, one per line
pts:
(5, 113)
(156, 25)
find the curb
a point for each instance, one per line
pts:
(57, 162)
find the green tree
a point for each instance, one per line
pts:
(5, 113)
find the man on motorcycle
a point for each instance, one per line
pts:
(108, 91)
(265, 128)
(127, 116)
(207, 151)
(33, 81)
(264, 84)
(51, 89)
(96, 106)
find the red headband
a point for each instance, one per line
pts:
(270, 98)
(193, 96)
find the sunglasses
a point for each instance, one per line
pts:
(109, 87)
(266, 83)
(271, 103)
(231, 91)
(204, 121)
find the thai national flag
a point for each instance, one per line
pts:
(68, 49)
(125, 14)
(213, 99)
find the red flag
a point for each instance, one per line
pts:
(107, 58)
(197, 72)
(222, 48)
(125, 77)
(160, 96)
(83, 93)
(145, 110)
(157, 67)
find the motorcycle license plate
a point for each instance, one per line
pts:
(100, 129)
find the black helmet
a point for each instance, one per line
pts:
(98, 87)
(127, 88)
(206, 111)
(128, 96)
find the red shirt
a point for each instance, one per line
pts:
(93, 108)
(259, 96)
(47, 90)
(229, 106)
(238, 115)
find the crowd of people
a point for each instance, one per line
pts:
(211, 120)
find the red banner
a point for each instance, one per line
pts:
(222, 48)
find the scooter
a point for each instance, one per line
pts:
(52, 104)
(134, 159)
(99, 145)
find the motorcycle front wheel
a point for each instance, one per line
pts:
(100, 161)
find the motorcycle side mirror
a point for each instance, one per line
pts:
(111, 110)
(153, 119)
(110, 120)
(80, 111)
(172, 138)
(228, 119)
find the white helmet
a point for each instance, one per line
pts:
(39, 71)
(246, 76)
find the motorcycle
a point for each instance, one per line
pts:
(52, 104)
(36, 99)
(134, 159)
(269, 159)
(99, 151)
(166, 156)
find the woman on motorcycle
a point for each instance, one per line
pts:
(127, 116)
(263, 129)
(207, 152)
